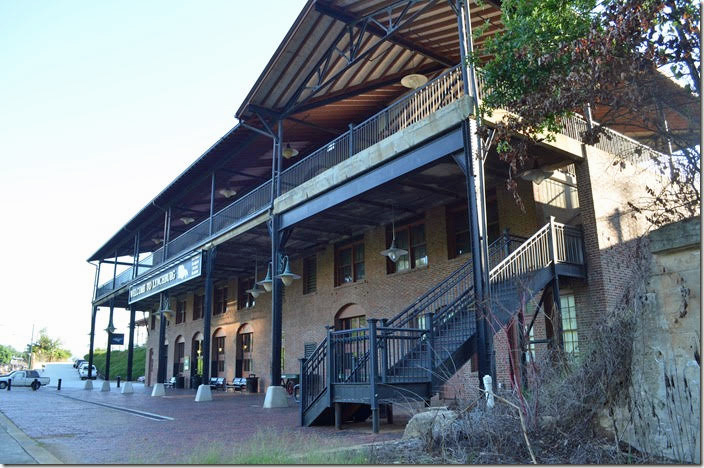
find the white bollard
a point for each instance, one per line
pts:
(158, 390)
(275, 397)
(88, 385)
(488, 391)
(203, 393)
(126, 388)
(105, 387)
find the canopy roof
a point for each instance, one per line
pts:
(340, 62)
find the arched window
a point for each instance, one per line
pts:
(243, 344)
(218, 354)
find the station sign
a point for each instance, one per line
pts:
(166, 278)
(117, 338)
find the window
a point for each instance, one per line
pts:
(309, 274)
(220, 301)
(569, 324)
(351, 323)
(411, 238)
(457, 218)
(180, 311)
(219, 352)
(198, 304)
(308, 349)
(349, 262)
(180, 350)
(244, 299)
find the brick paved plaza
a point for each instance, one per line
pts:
(79, 426)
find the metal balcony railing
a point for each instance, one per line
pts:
(410, 109)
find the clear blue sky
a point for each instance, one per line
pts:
(103, 104)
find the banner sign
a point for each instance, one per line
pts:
(166, 278)
(117, 338)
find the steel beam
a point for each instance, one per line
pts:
(107, 356)
(208, 311)
(162, 358)
(412, 160)
(130, 345)
(92, 341)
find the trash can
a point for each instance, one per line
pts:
(252, 383)
(180, 382)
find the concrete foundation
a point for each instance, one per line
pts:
(127, 388)
(204, 393)
(105, 387)
(276, 397)
(158, 390)
(88, 385)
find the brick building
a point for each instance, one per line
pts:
(337, 158)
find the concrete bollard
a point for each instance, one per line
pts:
(118, 381)
(9, 384)
(59, 386)
(489, 391)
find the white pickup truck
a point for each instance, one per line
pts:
(24, 378)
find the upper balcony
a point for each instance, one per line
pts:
(419, 115)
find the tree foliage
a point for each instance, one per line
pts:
(556, 57)
(48, 349)
(6, 353)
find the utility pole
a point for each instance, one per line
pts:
(31, 347)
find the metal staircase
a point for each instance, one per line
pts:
(415, 352)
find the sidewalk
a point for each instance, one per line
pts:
(96, 427)
(17, 448)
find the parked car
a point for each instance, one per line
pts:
(140, 379)
(83, 372)
(77, 363)
(24, 378)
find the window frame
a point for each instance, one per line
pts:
(392, 267)
(352, 246)
(198, 306)
(310, 274)
(180, 311)
(220, 300)
(244, 299)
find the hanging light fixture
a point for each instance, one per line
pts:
(289, 152)
(227, 193)
(393, 252)
(187, 220)
(110, 328)
(157, 240)
(254, 290)
(266, 282)
(414, 80)
(287, 276)
(536, 175)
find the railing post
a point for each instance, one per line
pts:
(351, 140)
(372, 375)
(553, 242)
(507, 243)
(330, 364)
(384, 351)
(430, 351)
(302, 389)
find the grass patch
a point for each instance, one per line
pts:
(268, 447)
(118, 362)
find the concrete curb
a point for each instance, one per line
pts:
(32, 447)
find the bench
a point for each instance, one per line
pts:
(217, 383)
(238, 384)
(171, 383)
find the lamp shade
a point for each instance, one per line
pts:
(255, 291)
(227, 193)
(536, 176)
(266, 282)
(187, 220)
(414, 80)
(289, 152)
(393, 252)
(287, 276)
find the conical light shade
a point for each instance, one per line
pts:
(255, 291)
(287, 276)
(393, 252)
(536, 175)
(266, 282)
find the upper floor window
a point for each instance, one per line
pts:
(457, 224)
(411, 238)
(349, 262)
(309, 274)
(244, 299)
(198, 304)
(180, 311)
(220, 301)
(568, 311)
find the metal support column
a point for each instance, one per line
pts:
(130, 345)
(476, 200)
(161, 364)
(373, 371)
(110, 330)
(92, 341)
(212, 203)
(556, 312)
(276, 291)
(208, 312)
